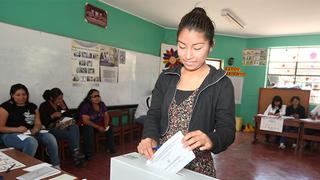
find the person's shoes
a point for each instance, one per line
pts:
(294, 145)
(78, 158)
(282, 146)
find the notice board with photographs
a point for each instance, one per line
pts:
(42, 61)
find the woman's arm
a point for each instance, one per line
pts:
(86, 121)
(3, 120)
(37, 123)
(224, 133)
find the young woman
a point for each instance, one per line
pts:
(95, 117)
(53, 110)
(276, 108)
(297, 111)
(17, 116)
(194, 98)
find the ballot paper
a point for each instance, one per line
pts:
(172, 156)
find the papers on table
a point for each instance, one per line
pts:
(36, 167)
(64, 177)
(172, 156)
(40, 173)
(6, 162)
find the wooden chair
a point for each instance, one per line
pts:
(315, 137)
(116, 124)
(137, 128)
(126, 127)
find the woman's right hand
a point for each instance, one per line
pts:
(145, 147)
(21, 129)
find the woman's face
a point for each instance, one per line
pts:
(295, 102)
(193, 49)
(58, 100)
(20, 97)
(277, 103)
(95, 97)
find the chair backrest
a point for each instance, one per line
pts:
(116, 117)
(266, 95)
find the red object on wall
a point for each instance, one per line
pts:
(95, 15)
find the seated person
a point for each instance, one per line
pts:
(53, 110)
(142, 110)
(17, 116)
(297, 111)
(94, 116)
(315, 113)
(276, 108)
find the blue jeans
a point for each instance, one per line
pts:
(30, 144)
(71, 134)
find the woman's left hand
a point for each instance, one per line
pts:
(197, 139)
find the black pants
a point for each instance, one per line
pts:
(88, 137)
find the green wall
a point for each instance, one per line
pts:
(66, 18)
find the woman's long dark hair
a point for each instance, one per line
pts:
(276, 99)
(87, 99)
(51, 94)
(14, 88)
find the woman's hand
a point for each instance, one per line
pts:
(21, 129)
(56, 115)
(34, 130)
(145, 147)
(197, 139)
(101, 129)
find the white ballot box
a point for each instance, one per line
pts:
(133, 166)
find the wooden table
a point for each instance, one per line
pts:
(287, 122)
(24, 159)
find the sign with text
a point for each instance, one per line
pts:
(271, 124)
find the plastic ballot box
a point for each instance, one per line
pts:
(133, 166)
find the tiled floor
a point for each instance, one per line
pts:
(242, 161)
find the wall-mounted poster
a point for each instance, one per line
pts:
(85, 62)
(254, 57)
(169, 57)
(96, 16)
(109, 64)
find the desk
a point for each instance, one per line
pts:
(24, 159)
(313, 125)
(287, 122)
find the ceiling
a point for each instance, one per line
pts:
(263, 18)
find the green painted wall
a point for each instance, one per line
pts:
(66, 18)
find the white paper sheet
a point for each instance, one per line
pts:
(172, 156)
(37, 166)
(64, 177)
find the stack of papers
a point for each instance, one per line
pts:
(39, 173)
(172, 156)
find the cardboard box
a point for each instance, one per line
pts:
(133, 166)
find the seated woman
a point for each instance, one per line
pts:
(276, 108)
(297, 111)
(95, 117)
(53, 110)
(19, 116)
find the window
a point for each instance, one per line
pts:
(295, 67)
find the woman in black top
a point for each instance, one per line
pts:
(52, 111)
(194, 98)
(297, 111)
(18, 116)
